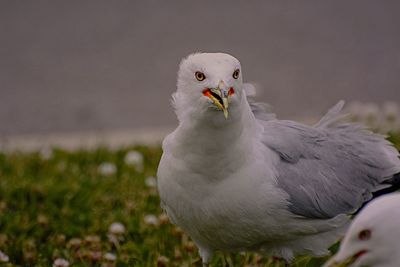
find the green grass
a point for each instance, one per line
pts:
(62, 206)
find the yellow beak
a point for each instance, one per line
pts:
(345, 262)
(220, 98)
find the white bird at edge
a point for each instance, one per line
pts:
(373, 237)
(235, 178)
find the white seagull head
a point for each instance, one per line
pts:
(208, 82)
(373, 237)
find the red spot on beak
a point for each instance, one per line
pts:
(207, 92)
(360, 253)
(231, 91)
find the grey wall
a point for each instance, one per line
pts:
(89, 65)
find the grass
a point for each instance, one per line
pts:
(59, 204)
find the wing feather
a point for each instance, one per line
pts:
(330, 168)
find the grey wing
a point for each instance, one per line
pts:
(331, 168)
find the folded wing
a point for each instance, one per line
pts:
(330, 168)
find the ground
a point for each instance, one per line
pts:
(96, 208)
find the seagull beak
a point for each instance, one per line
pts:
(219, 96)
(345, 262)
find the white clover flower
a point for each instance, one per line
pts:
(135, 159)
(151, 219)
(62, 166)
(151, 181)
(46, 153)
(113, 238)
(116, 228)
(92, 239)
(162, 261)
(391, 111)
(369, 114)
(371, 110)
(42, 219)
(163, 218)
(107, 168)
(95, 255)
(110, 257)
(74, 243)
(4, 257)
(391, 108)
(60, 262)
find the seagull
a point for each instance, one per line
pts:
(236, 179)
(373, 237)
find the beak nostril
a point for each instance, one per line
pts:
(221, 84)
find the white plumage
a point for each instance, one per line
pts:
(236, 179)
(373, 237)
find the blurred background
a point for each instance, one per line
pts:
(99, 74)
(98, 66)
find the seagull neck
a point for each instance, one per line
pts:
(212, 133)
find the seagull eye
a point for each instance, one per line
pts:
(200, 76)
(364, 234)
(235, 74)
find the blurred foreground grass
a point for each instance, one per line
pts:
(97, 208)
